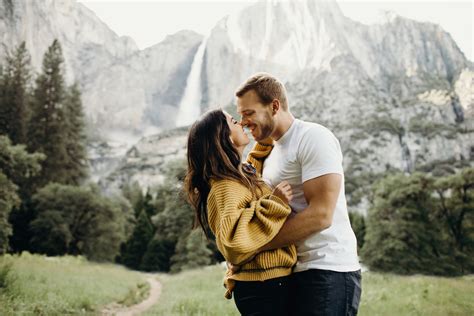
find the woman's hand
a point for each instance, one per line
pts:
(284, 192)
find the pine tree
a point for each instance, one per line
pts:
(133, 193)
(15, 95)
(158, 254)
(191, 252)
(148, 206)
(137, 245)
(76, 162)
(47, 123)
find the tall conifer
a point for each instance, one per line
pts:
(46, 127)
(76, 160)
(137, 245)
(14, 95)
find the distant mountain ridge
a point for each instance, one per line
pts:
(398, 95)
(121, 84)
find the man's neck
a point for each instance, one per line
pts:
(283, 125)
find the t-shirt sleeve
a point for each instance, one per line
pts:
(319, 153)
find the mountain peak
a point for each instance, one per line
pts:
(304, 32)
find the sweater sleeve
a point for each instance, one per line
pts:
(259, 152)
(244, 225)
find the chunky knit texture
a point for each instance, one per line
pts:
(243, 223)
(259, 152)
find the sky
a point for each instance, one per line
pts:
(149, 21)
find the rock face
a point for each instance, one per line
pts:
(126, 92)
(88, 44)
(123, 88)
(399, 95)
(288, 38)
(144, 89)
(147, 160)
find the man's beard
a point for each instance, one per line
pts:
(266, 128)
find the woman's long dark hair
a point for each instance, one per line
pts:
(211, 155)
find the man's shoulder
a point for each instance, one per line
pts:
(311, 129)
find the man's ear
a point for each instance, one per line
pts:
(275, 106)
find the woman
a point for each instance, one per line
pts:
(242, 212)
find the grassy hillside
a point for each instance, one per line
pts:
(38, 285)
(200, 292)
(194, 292)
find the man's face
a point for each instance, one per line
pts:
(256, 116)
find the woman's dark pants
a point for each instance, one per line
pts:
(271, 297)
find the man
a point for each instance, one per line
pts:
(327, 276)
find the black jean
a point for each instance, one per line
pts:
(324, 292)
(270, 297)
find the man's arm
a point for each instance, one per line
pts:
(321, 194)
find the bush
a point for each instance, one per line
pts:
(191, 252)
(16, 166)
(5, 274)
(358, 226)
(78, 221)
(419, 225)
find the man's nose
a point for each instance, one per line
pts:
(243, 122)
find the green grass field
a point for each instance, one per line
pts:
(195, 292)
(200, 292)
(37, 285)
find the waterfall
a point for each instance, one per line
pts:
(190, 105)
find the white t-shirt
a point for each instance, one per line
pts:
(307, 151)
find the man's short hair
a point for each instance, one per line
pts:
(266, 87)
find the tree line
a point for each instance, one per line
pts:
(47, 204)
(419, 224)
(416, 223)
(41, 136)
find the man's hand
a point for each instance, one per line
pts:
(283, 191)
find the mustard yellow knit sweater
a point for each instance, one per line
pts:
(243, 223)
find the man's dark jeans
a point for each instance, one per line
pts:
(324, 292)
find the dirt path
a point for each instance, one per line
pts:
(118, 310)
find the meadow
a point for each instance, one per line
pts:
(38, 285)
(200, 292)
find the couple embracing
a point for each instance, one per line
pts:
(279, 218)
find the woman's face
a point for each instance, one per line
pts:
(237, 134)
